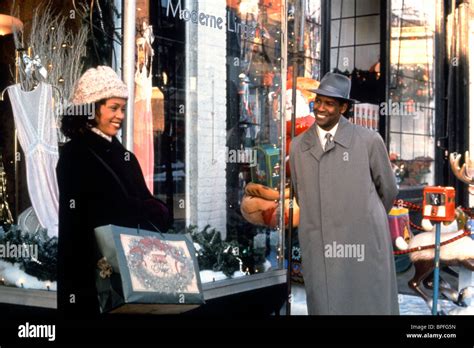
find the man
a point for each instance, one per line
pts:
(344, 186)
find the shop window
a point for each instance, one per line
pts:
(222, 128)
(307, 77)
(356, 52)
(355, 35)
(312, 40)
(311, 55)
(411, 105)
(365, 34)
(342, 8)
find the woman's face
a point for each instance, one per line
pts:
(110, 115)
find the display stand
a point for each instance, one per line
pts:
(434, 309)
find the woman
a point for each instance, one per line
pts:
(100, 183)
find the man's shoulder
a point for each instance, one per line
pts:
(301, 137)
(296, 141)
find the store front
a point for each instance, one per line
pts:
(218, 66)
(212, 74)
(212, 97)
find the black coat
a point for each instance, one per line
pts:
(90, 196)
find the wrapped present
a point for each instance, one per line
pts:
(399, 223)
(267, 169)
(145, 272)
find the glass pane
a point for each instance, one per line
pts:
(342, 59)
(406, 146)
(423, 121)
(313, 11)
(312, 40)
(222, 130)
(355, 44)
(342, 36)
(412, 93)
(342, 8)
(367, 30)
(367, 56)
(395, 143)
(396, 123)
(365, 7)
(407, 123)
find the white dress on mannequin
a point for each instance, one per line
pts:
(37, 133)
(143, 146)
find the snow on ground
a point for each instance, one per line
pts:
(409, 304)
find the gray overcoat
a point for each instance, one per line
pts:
(344, 195)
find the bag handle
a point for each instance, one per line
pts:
(122, 187)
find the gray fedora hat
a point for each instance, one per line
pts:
(335, 86)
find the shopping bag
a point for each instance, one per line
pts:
(146, 272)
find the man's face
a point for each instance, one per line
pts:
(327, 111)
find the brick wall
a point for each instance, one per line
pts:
(206, 118)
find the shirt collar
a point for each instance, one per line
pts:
(102, 134)
(322, 133)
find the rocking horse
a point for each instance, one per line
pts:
(457, 249)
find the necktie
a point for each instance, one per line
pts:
(328, 141)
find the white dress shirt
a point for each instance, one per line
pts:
(322, 134)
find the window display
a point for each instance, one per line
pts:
(218, 64)
(411, 107)
(43, 48)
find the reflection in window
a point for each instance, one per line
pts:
(410, 109)
(355, 35)
(311, 68)
(221, 109)
(355, 52)
(253, 127)
(168, 110)
(307, 77)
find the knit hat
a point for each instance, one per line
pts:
(97, 84)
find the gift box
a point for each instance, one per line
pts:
(399, 223)
(267, 168)
(146, 272)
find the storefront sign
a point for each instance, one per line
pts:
(209, 20)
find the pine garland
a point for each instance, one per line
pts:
(45, 267)
(244, 233)
(239, 253)
(214, 253)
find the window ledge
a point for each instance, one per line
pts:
(246, 283)
(28, 297)
(47, 299)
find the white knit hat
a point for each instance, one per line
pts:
(97, 84)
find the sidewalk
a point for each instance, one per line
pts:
(409, 302)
